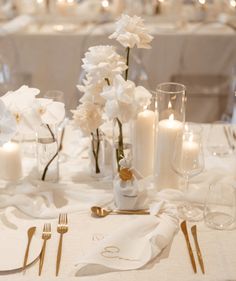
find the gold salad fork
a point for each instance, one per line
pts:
(62, 228)
(46, 235)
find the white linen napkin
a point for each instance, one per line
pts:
(132, 246)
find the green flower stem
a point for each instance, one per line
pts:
(54, 156)
(108, 82)
(96, 150)
(120, 148)
(51, 132)
(127, 63)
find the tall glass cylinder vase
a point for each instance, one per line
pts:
(171, 100)
(47, 153)
(124, 181)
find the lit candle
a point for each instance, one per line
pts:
(167, 132)
(202, 4)
(10, 162)
(144, 142)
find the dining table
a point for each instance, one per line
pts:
(32, 202)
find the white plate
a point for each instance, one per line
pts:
(13, 245)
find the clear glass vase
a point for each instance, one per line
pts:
(47, 153)
(171, 102)
(125, 184)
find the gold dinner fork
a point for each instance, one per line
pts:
(46, 235)
(62, 228)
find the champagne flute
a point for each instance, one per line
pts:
(188, 161)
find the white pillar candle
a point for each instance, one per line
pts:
(10, 162)
(167, 132)
(144, 142)
(190, 151)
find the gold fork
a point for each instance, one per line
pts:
(62, 228)
(46, 235)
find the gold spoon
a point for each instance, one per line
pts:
(101, 212)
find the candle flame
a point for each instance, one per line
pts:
(233, 3)
(202, 2)
(105, 3)
(171, 117)
(169, 105)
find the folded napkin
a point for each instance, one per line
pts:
(133, 245)
(16, 24)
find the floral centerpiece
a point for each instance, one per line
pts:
(106, 83)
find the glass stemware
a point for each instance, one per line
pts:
(188, 161)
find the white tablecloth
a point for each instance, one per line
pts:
(53, 59)
(218, 247)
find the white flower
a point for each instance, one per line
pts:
(130, 31)
(20, 104)
(124, 100)
(142, 98)
(120, 90)
(102, 62)
(92, 92)
(7, 124)
(49, 111)
(88, 117)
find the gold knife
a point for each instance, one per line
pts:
(199, 254)
(190, 251)
(30, 234)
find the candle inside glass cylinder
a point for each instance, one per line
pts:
(10, 162)
(144, 142)
(167, 132)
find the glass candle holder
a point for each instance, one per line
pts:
(171, 100)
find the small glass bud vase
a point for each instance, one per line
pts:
(125, 184)
(125, 187)
(97, 154)
(47, 153)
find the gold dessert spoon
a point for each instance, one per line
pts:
(101, 212)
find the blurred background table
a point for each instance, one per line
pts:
(200, 54)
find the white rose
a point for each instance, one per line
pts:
(88, 117)
(130, 31)
(102, 62)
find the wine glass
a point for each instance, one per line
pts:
(188, 161)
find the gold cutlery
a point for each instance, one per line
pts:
(46, 235)
(102, 212)
(199, 254)
(30, 233)
(190, 251)
(62, 228)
